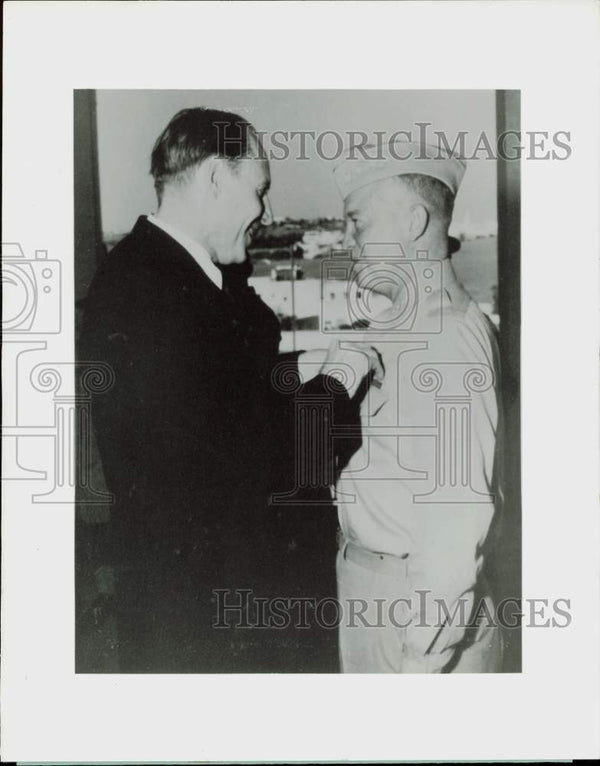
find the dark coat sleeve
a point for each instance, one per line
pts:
(317, 426)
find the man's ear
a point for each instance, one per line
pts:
(419, 220)
(215, 169)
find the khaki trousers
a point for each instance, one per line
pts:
(374, 639)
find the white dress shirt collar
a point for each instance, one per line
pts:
(195, 249)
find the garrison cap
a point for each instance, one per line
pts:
(374, 162)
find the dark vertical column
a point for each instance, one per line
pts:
(89, 250)
(89, 246)
(94, 651)
(508, 554)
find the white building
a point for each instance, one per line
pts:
(327, 300)
(320, 241)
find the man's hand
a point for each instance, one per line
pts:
(351, 362)
(310, 363)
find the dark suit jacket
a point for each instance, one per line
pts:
(191, 435)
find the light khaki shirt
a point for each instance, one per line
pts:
(424, 481)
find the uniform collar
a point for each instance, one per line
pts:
(449, 278)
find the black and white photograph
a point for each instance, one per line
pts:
(300, 382)
(293, 308)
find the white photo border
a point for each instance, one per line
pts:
(546, 50)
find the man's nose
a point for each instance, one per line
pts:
(267, 216)
(348, 239)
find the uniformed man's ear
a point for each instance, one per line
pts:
(419, 220)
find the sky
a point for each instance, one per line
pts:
(129, 121)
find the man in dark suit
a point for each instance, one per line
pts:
(190, 435)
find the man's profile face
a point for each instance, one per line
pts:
(376, 216)
(243, 206)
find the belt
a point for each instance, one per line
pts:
(382, 563)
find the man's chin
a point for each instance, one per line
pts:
(362, 274)
(240, 256)
(237, 254)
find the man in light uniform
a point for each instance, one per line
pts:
(417, 498)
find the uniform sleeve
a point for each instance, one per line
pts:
(454, 387)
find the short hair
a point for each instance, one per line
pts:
(194, 135)
(438, 198)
